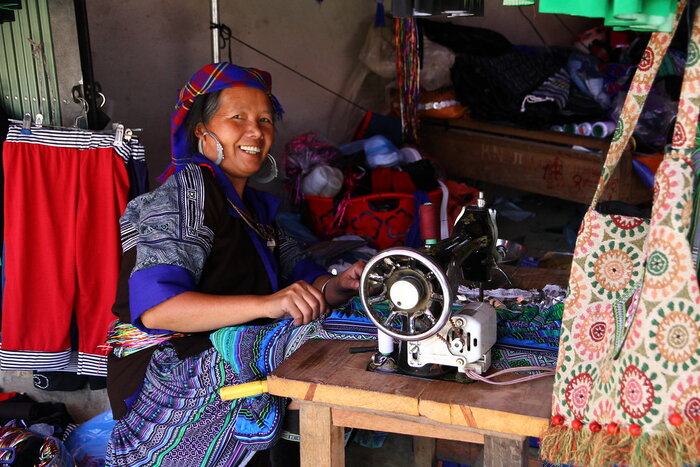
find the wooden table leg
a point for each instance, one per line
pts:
(423, 451)
(322, 444)
(505, 452)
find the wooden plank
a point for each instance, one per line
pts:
(520, 409)
(566, 139)
(535, 278)
(423, 451)
(381, 422)
(322, 443)
(501, 452)
(458, 452)
(534, 166)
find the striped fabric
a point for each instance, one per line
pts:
(78, 139)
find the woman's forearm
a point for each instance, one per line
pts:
(195, 312)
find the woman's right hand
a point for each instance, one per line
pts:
(300, 301)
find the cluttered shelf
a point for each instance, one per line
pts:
(549, 163)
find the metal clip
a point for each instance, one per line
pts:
(27, 124)
(119, 135)
(38, 120)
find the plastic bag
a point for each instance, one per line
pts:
(378, 53)
(437, 61)
(88, 442)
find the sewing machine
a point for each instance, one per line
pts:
(410, 295)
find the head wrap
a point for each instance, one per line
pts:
(211, 78)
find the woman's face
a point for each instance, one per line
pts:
(244, 125)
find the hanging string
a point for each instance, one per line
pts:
(407, 63)
(226, 37)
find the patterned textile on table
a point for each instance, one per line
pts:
(528, 325)
(627, 386)
(181, 395)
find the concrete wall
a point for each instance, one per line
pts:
(144, 51)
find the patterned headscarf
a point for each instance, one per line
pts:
(210, 78)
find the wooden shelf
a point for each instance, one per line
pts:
(543, 162)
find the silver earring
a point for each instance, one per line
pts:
(219, 147)
(266, 175)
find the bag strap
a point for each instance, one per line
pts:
(683, 142)
(634, 102)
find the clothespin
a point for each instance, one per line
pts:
(38, 120)
(119, 135)
(128, 133)
(27, 124)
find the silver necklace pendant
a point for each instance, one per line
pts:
(271, 244)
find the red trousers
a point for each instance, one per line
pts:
(62, 254)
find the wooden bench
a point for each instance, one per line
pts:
(543, 162)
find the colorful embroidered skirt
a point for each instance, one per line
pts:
(178, 418)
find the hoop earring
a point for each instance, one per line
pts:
(261, 176)
(219, 147)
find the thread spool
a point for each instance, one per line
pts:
(428, 224)
(603, 129)
(569, 128)
(385, 343)
(584, 129)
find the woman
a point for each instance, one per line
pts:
(201, 252)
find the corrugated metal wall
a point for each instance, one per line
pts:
(27, 66)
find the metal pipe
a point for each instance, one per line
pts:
(215, 31)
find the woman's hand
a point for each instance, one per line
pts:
(300, 301)
(345, 285)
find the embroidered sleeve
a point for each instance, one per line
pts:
(166, 226)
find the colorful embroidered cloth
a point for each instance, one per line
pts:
(178, 414)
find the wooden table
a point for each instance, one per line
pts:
(335, 391)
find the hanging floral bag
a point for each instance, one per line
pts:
(627, 385)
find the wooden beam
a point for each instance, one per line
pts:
(423, 451)
(503, 452)
(322, 443)
(371, 421)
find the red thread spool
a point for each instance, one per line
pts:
(675, 419)
(428, 222)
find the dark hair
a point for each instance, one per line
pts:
(203, 109)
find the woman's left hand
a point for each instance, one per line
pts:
(345, 285)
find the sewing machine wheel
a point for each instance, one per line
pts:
(405, 294)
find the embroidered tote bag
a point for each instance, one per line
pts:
(627, 385)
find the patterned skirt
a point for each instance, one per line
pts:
(178, 418)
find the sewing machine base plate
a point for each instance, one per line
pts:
(388, 365)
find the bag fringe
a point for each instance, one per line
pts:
(679, 446)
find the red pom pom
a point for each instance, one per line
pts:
(595, 427)
(635, 430)
(675, 419)
(613, 429)
(558, 420)
(577, 424)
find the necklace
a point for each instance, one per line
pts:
(265, 232)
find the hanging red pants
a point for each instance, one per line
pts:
(62, 250)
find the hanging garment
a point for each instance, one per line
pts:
(67, 190)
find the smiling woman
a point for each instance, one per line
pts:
(243, 128)
(203, 252)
